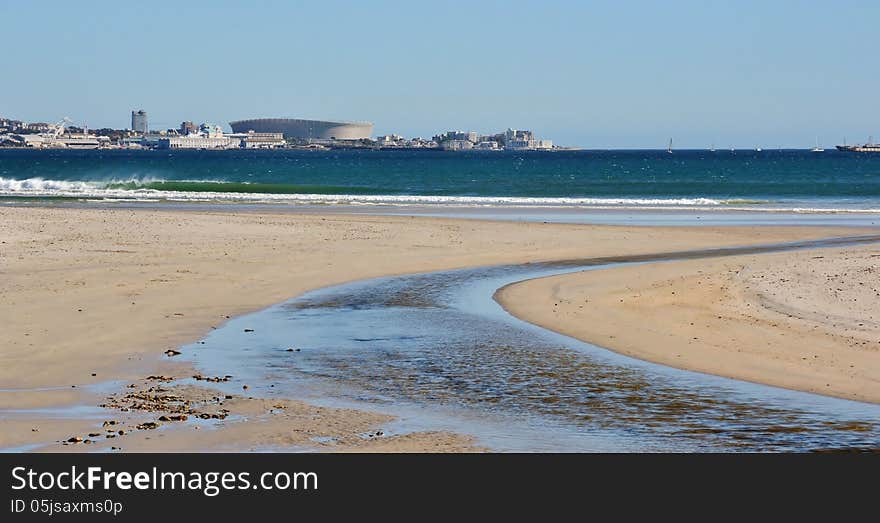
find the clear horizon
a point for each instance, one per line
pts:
(593, 75)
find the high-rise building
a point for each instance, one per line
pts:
(139, 121)
(188, 128)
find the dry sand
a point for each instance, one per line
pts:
(94, 295)
(803, 320)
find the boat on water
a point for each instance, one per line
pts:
(78, 141)
(818, 148)
(869, 147)
(669, 147)
(60, 137)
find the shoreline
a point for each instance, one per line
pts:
(643, 217)
(452, 206)
(93, 271)
(760, 318)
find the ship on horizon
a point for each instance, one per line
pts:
(869, 147)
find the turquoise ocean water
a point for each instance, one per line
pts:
(724, 180)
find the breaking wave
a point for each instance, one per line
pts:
(154, 189)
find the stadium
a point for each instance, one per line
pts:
(305, 129)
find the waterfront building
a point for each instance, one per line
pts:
(75, 140)
(139, 121)
(511, 139)
(517, 135)
(188, 128)
(207, 137)
(82, 140)
(195, 141)
(36, 141)
(469, 136)
(515, 139)
(252, 140)
(457, 145)
(391, 140)
(418, 142)
(211, 131)
(499, 137)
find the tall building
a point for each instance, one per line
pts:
(519, 139)
(188, 128)
(139, 121)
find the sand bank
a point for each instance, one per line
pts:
(803, 320)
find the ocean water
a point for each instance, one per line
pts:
(793, 180)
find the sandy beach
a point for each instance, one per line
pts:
(805, 320)
(93, 298)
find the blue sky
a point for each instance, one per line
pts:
(593, 74)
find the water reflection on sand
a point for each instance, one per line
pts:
(436, 350)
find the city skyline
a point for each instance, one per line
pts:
(584, 74)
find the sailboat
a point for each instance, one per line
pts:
(817, 149)
(669, 147)
(712, 148)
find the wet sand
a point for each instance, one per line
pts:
(804, 320)
(92, 298)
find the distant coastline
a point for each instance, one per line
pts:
(257, 133)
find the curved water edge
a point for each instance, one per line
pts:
(439, 353)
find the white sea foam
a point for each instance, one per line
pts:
(41, 187)
(44, 187)
(110, 192)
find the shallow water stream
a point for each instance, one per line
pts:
(438, 352)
